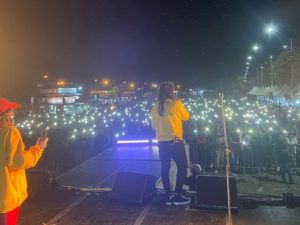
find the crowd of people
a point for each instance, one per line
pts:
(255, 132)
(254, 129)
(259, 135)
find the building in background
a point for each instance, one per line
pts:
(64, 98)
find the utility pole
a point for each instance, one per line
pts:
(261, 74)
(271, 69)
(257, 76)
(292, 69)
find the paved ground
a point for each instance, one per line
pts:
(91, 205)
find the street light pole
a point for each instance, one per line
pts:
(257, 76)
(292, 59)
(261, 74)
(292, 69)
(271, 69)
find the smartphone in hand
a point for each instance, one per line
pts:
(44, 133)
(43, 140)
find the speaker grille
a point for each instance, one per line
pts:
(211, 192)
(132, 187)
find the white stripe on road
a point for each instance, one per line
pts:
(143, 214)
(79, 200)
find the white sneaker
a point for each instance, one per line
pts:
(198, 166)
(181, 200)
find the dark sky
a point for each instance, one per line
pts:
(197, 42)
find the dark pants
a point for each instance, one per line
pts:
(173, 150)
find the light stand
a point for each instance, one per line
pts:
(227, 152)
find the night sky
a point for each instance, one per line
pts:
(196, 42)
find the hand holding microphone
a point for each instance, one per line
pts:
(43, 140)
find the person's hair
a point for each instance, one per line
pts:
(5, 120)
(166, 91)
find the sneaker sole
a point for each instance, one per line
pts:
(182, 203)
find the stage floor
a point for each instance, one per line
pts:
(85, 198)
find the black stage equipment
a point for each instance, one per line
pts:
(133, 187)
(211, 192)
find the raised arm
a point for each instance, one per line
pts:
(16, 155)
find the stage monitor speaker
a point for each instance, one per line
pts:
(211, 192)
(132, 187)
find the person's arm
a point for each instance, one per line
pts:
(16, 155)
(182, 111)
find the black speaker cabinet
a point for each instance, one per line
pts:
(132, 187)
(211, 192)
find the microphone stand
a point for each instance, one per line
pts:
(227, 152)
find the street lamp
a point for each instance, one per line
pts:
(255, 47)
(105, 82)
(154, 85)
(131, 85)
(60, 83)
(270, 29)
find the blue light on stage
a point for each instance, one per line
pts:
(136, 141)
(132, 141)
